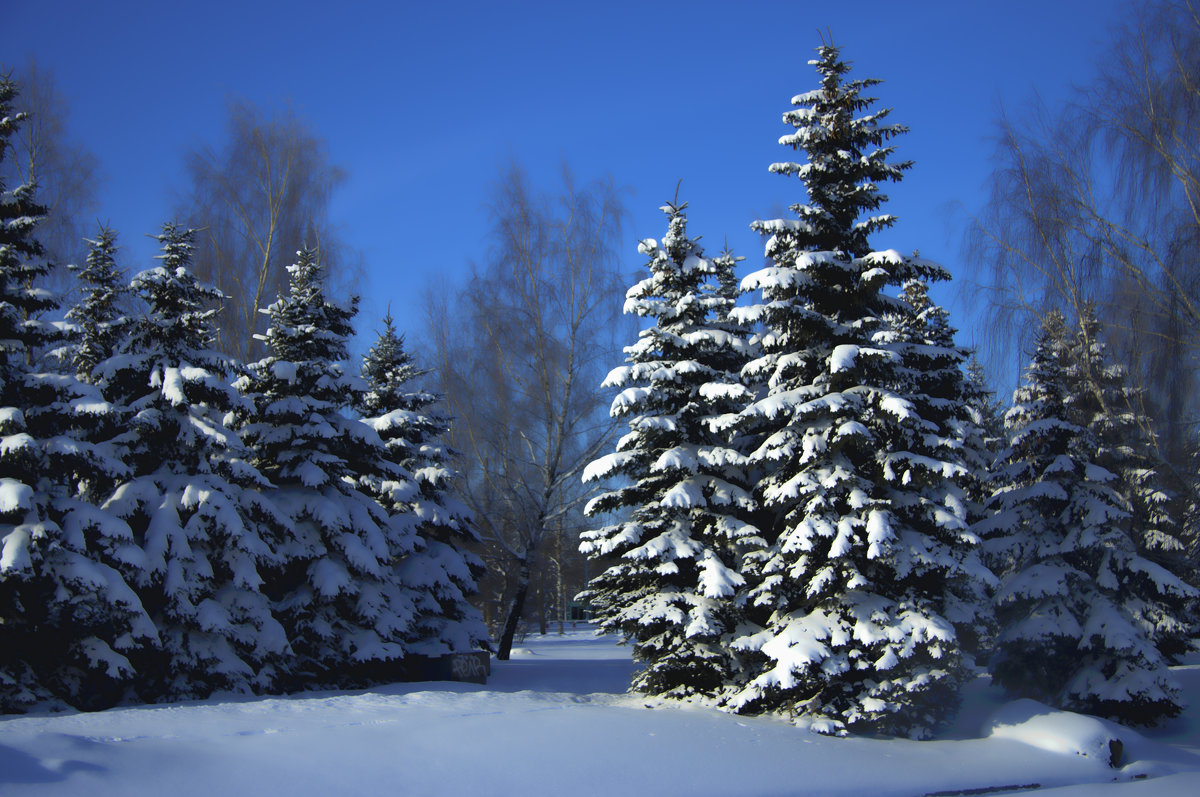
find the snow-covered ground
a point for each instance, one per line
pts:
(556, 721)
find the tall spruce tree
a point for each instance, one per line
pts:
(685, 504)
(93, 331)
(192, 500)
(1074, 587)
(848, 591)
(68, 620)
(1101, 399)
(335, 587)
(442, 573)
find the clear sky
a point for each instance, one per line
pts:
(423, 102)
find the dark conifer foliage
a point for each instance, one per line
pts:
(985, 415)
(847, 159)
(96, 324)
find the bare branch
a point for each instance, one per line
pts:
(520, 352)
(259, 199)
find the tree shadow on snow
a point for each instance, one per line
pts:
(17, 766)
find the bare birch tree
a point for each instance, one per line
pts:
(521, 350)
(1100, 201)
(257, 200)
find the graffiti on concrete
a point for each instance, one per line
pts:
(469, 667)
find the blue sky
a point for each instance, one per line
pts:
(424, 102)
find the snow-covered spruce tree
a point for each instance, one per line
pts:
(442, 573)
(683, 502)
(1101, 400)
(1073, 585)
(932, 377)
(191, 499)
(91, 336)
(335, 587)
(97, 317)
(848, 592)
(67, 619)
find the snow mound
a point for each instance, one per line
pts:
(1056, 731)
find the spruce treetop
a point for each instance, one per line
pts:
(181, 307)
(306, 324)
(301, 386)
(685, 289)
(824, 284)
(846, 160)
(389, 371)
(97, 314)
